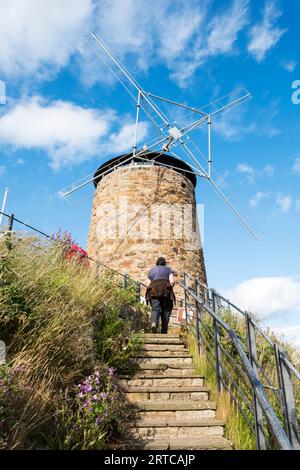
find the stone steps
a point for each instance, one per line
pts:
(174, 410)
(178, 381)
(163, 347)
(192, 443)
(159, 393)
(163, 339)
(164, 429)
(180, 361)
(166, 353)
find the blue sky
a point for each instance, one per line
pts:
(65, 114)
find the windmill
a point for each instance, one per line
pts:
(174, 135)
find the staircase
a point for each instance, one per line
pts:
(174, 406)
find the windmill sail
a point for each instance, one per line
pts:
(173, 127)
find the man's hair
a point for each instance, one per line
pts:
(161, 261)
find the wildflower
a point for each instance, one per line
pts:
(111, 371)
(99, 421)
(103, 395)
(91, 409)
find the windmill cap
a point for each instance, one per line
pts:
(156, 157)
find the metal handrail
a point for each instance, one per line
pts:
(286, 436)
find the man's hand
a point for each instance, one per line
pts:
(171, 279)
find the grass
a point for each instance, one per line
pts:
(59, 321)
(236, 429)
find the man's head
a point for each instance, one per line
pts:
(161, 261)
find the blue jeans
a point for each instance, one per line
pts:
(161, 307)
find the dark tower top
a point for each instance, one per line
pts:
(155, 158)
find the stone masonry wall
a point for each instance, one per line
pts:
(124, 230)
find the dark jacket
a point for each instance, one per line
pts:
(160, 288)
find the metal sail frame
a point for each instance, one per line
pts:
(172, 134)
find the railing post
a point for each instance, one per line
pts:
(10, 222)
(287, 399)
(8, 234)
(198, 317)
(186, 297)
(217, 346)
(258, 413)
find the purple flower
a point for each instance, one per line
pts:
(86, 388)
(111, 371)
(91, 409)
(103, 395)
(99, 421)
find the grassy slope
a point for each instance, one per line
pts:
(58, 321)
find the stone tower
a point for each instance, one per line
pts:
(145, 209)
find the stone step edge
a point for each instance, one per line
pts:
(162, 354)
(203, 442)
(160, 334)
(164, 366)
(172, 423)
(175, 405)
(151, 389)
(164, 342)
(145, 376)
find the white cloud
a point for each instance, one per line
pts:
(2, 170)
(247, 170)
(164, 33)
(38, 37)
(252, 174)
(290, 334)
(232, 126)
(289, 65)
(218, 37)
(256, 198)
(2, 92)
(69, 134)
(224, 28)
(284, 202)
(268, 296)
(235, 123)
(265, 35)
(296, 166)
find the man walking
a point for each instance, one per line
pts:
(160, 294)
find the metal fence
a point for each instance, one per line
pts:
(249, 365)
